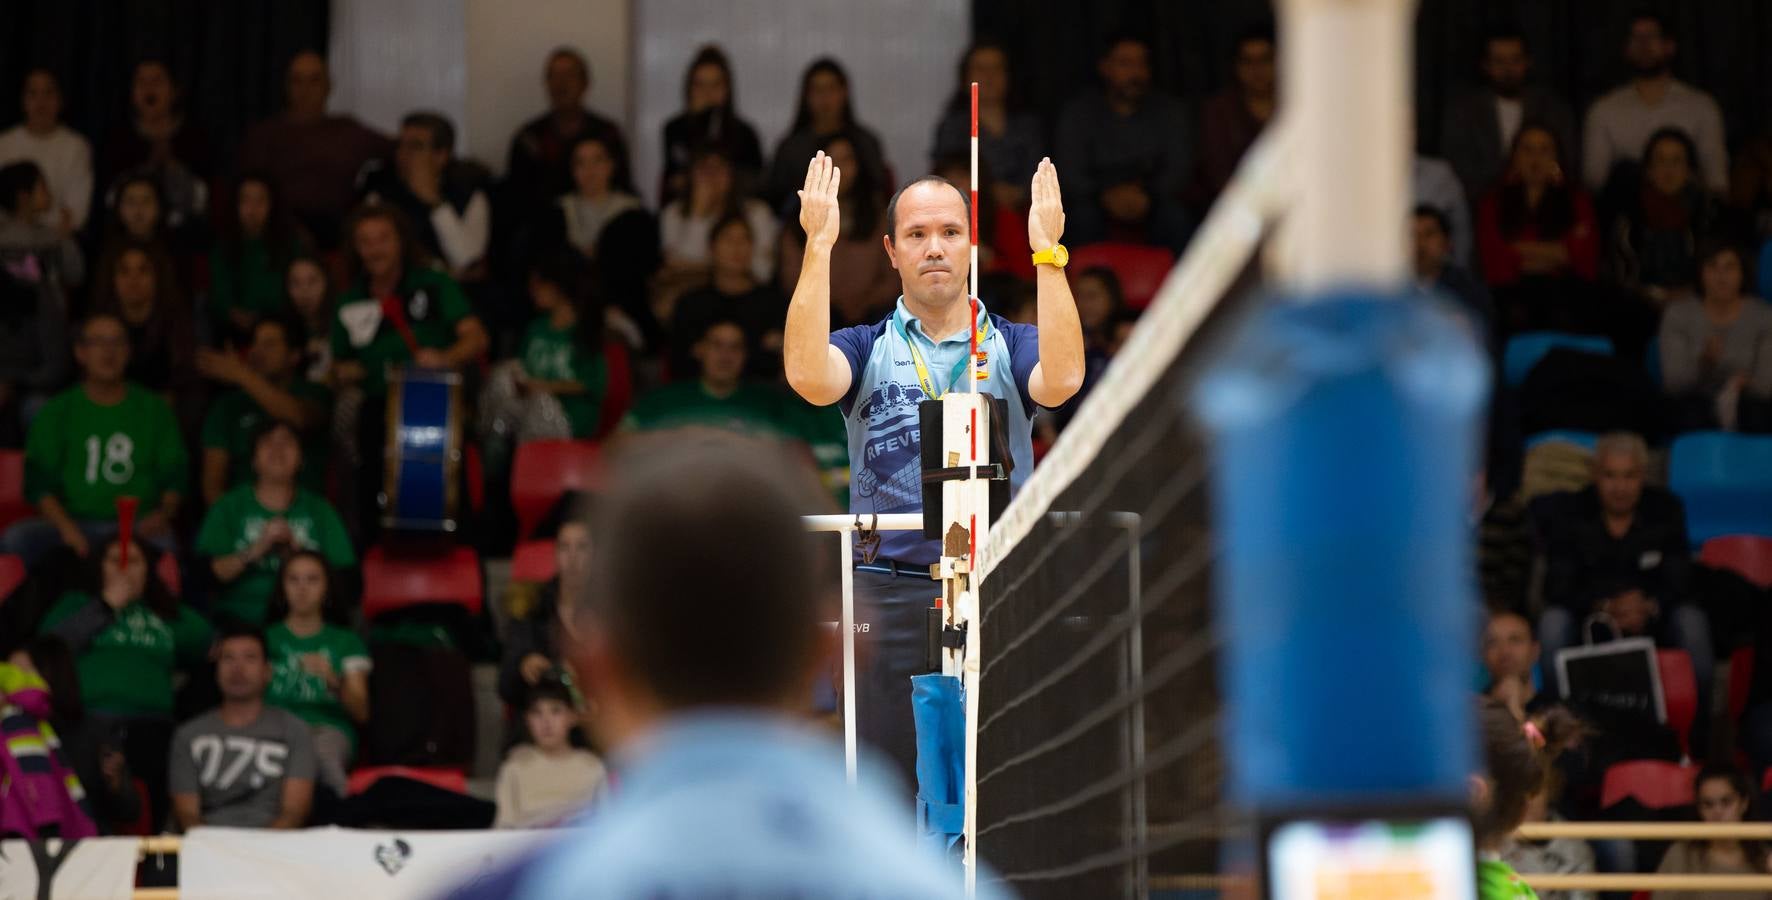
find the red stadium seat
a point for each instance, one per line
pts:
(533, 561)
(543, 470)
(1652, 782)
(618, 390)
(395, 581)
(12, 488)
(447, 779)
(1741, 681)
(1679, 691)
(143, 824)
(1140, 268)
(12, 574)
(1747, 555)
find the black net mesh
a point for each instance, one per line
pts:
(1099, 764)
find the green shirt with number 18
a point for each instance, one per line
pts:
(87, 455)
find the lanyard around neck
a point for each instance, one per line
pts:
(929, 391)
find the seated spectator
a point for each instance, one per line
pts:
(826, 110)
(863, 282)
(101, 767)
(1437, 273)
(1433, 183)
(138, 214)
(1557, 856)
(96, 442)
(33, 309)
(396, 312)
(545, 780)
(246, 266)
(1479, 129)
(1725, 795)
(1537, 238)
(539, 166)
(308, 290)
(130, 637)
(248, 533)
(609, 230)
(1009, 136)
(686, 224)
(159, 140)
(733, 292)
(319, 671)
(25, 225)
(1234, 117)
(243, 764)
(43, 797)
(266, 387)
(535, 643)
(1100, 305)
(310, 157)
(444, 198)
(136, 283)
(720, 398)
(715, 694)
(1619, 547)
(1619, 124)
(1516, 763)
(709, 119)
(61, 152)
(556, 385)
(1750, 189)
(1126, 153)
(1651, 243)
(1716, 350)
(1510, 658)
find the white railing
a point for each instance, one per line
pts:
(846, 526)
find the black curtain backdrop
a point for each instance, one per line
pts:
(1725, 47)
(227, 56)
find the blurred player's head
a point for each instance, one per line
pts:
(705, 589)
(929, 240)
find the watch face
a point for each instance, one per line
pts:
(1060, 256)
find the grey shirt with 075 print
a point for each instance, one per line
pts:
(238, 773)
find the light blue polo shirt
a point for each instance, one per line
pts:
(742, 805)
(880, 411)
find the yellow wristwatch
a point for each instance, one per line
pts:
(1055, 256)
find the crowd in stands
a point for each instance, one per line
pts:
(214, 349)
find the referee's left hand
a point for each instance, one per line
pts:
(1046, 215)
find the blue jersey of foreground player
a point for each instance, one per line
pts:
(736, 806)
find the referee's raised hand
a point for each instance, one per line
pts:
(818, 202)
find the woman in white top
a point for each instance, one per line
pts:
(686, 225)
(64, 156)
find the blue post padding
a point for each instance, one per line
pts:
(938, 706)
(1345, 437)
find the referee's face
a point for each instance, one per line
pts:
(930, 246)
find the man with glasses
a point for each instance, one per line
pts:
(95, 443)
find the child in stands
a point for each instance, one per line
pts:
(1516, 761)
(544, 781)
(319, 671)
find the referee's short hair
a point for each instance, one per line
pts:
(704, 582)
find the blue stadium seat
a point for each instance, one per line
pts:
(1726, 482)
(1525, 350)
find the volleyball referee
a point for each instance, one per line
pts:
(879, 373)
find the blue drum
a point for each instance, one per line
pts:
(421, 486)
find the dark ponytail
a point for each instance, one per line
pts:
(1517, 757)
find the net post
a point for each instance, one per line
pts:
(848, 625)
(972, 234)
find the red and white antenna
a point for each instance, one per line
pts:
(972, 272)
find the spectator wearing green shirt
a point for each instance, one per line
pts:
(129, 635)
(266, 387)
(96, 442)
(555, 386)
(720, 399)
(398, 311)
(246, 265)
(319, 671)
(247, 535)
